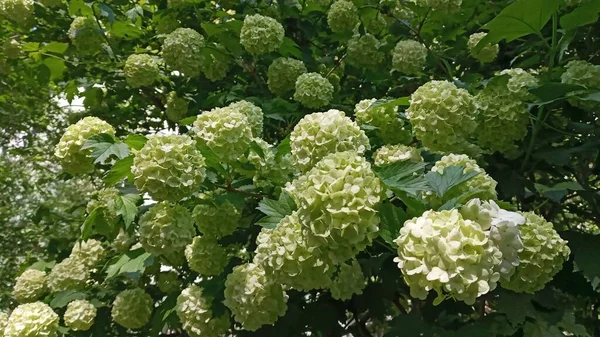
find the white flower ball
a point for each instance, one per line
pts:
(32, 320)
(226, 132)
(282, 75)
(261, 34)
(88, 252)
(409, 57)
(182, 51)
(313, 90)
(342, 16)
(206, 257)
(389, 154)
(349, 281)
(486, 54)
(69, 274)
(194, 312)
(80, 315)
(141, 70)
(132, 308)
(29, 286)
(166, 228)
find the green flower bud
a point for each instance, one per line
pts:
(389, 154)
(486, 54)
(217, 220)
(80, 315)
(182, 51)
(141, 70)
(363, 51)
(409, 57)
(377, 24)
(282, 75)
(86, 35)
(313, 90)
(166, 228)
(177, 107)
(226, 132)
(206, 257)
(70, 274)
(132, 308)
(349, 281)
(342, 16)
(32, 320)
(29, 286)
(390, 128)
(194, 312)
(261, 34)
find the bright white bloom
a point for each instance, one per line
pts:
(166, 228)
(69, 274)
(194, 312)
(313, 90)
(141, 70)
(225, 131)
(29, 286)
(88, 252)
(32, 320)
(389, 154)
(206, 257)
(80, 315)
(261, 34)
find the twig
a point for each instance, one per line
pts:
(232, 189)
(103, 34)
(339, 62)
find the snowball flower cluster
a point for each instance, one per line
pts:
(519, 82)
(285, 253)
(442, 116)
(194, 312)
(69, 274)
(443, 252)
(3, 320)
(177, 107)
(132, 308)
(253, 113)
(140, 70)
(122, 242)
(282, 75)
(226, 132)
(206, 257)
(88, 252)
(29, 286)
(337, 204)
(313, 90)
(439, 5)
(390, 128)
(182, 51)
(363, 51)
(342, 16)
(409, 57)
(11, 49)
(73, 159)
(86, 35)
(32, 320)
(169, 167)
(377, 24)
(586, 74)
(319, 134)
(80, 315)
(261, 34)
(487, 53)
(542, 257)
(389, 154)
(166, 228)
(253, 297)
(104, 203)
(217, 220)
(348, 282)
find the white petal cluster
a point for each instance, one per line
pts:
(217, 220)
(122, 242)
(80, 315)
(337, 201)
(282, 75)
(313, 90)
(261, 34)
(169, 167)
(225, 131)
(342, 16)
(443, 117)
(177, 107)
(586, 74)
(253, 113)
(86, 35)
(73, 159)
(104, 202)
(132, 308)
(409, 57)
(443, 252)
(319, 134)
(285, 253)
(32, 320)
(486, 54)
(391, 129)
(3, 321)
(69, 274)
(141, 70)
(520, 81)
(29, 286)
(363, 51)
(166, 228)
(253, 297)
(206, 257)
(389, 154)
(194, 312)
(88, 252)
(349, 281)
(182, 51)
(542, 257)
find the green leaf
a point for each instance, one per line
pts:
(558, 191)
(95, 224)
(57, 67)
(106, 12)
(403, 176)
(135, 141)
(452, 176)
(553, 91)
(211, 29)
(137, 265)
(125, 30)
(30, 46)
(188, 121)
(80, 8)
(521, 18)
(390, 103)
(591, 97)
(42, 265)
(254, 146)
(585, 249)
(104, 146)
(56, 47)
(290, 48)
(120, 170)
(516, 307)
(392, 219)
(409, 325)
(113, 269)
(212, 160)
(127, 207)
(63, 298)
(283, 148)
(275, 209)
(582, 15)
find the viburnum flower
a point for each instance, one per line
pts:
(253, 298)
(409, 57)
(391, 129)
(88, 252)
(487, 53)
(226, 132)
(86, 35)
(520, 81)
(342, 16)
(182, 51)
(169, 167)
(140, 70)
(177, 107)
(122, 242)
(3, 320)
(349, 281)
(443, 252)
(377, 24)
(313, 90)
(282, 75)
(132, 308)
(319, 134)
(586, 74)
(337, 204)
(104, 204)
(166, 228)
(69, 274)
(439, 5)
(253, 113)
(206, 257)
(261, 34)
(29, 286)
(285, 252)
(217, 220)
(196, 316)
(32, 320)
(73, 159)
(80, 315)
(363, 51)
(389, 154)
(542, 257)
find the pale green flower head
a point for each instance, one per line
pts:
(206, 257)
(261, 34)
(141, 70)
(282, 75)
(520, 81)
(363, 51)
(391, 129)
(486, 54)
(132, 308)
(389, 154)
(89, 252)
(69, 274)
(195, 314)
(409, 57)
(439, 5)
(182, 51)
(86, 35)
(253, 113)
(586, 74)
(32, 320)
(313, 90)
(342, 16)
(80, 315)
(166, 228)
(177, 107)
(217, 220)
(11, 49)
(349, 281)
(29, 286)
(104, 202)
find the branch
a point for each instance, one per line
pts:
(232, 189)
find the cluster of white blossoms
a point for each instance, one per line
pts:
(206, 257)
(261, 34)
(391, 129)
(349, 281)
(217, 220)
(168, 167)
(86, 35)
(282, 75)
(319, 134)
(73, 159)
(122, 242)
(487, 53)
(585, 74)
(29, 286)
(389, 154)
(69, 274)
(194, 312)
(363, 51)
(132, 308)
(166, 228)
(89, 252)
(313, 90)
(520, 81)
(253, 113)
(104, 203)
(182, 51)
(409, 57)
(141, 70)
(342, 16)
(32, 320)
(177, 107)
(80, 315)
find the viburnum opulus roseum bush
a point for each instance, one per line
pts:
(318, 168)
